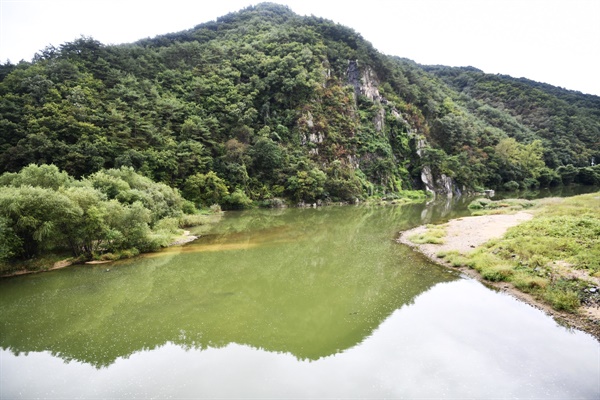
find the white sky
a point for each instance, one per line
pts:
(552, 41)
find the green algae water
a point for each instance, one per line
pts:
(285, 303)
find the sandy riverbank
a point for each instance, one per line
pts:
(466, 234)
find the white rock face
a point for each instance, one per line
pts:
(379, 120)
(369, 85)
(366, 83)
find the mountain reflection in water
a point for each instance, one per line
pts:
(311, 283)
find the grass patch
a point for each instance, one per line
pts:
(129, 253)
(434, 234)
(527, 282)
(188, 220)
(562, 299)
(483, 206)
(497, 272)
(563, 231)
(446, 254)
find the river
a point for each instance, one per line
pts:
(291, 303)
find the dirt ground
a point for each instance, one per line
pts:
(465, 234)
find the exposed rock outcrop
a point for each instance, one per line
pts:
(366, 83)
(437, 185)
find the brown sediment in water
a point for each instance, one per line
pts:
(186, 237)
(210, 247)
(466, 234)
(57, 265)
(183, 239)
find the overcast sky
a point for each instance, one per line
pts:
(552, 41)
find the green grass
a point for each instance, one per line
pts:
(497, 272)
(527, 282)
(562, 232)
(189, 220)
(562, 299)
(434, 234)
(484, 206)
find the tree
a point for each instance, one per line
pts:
(267, 158)
(205, 189)
(10, 244)
(342, 182)
(588, 176)
(307, 185)
(567, 173)
(520, 161)
(44, 176)
(35, 216)
(87, 233)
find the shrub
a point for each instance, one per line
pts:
(434, 235)
(479, 204)
(215, 209)
(237, 200)
(497, 272)
(188, 220)
(587, 176)
(527, 282)
(530, 183)
(511, 186)
(205, 189)
(563, 299)
(188, 207)
(168, 225)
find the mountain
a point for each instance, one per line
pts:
(263, 104)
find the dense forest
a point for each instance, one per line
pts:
(263, 105)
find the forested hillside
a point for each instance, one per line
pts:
(265, 104)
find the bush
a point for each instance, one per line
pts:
(237, 200)
(215, 209)
(10, 243)
(527, 282)
(434, 234)
(34, 218)
(567, 173)
(188, 207)
(168, 225)
(43, 209)
(479, 204)
(205, 189)
(548, 177)
(484, 206)
(497, 272)
(511, 186)
(563, 299)
(587, 176)
(530, 183)
(188, 220)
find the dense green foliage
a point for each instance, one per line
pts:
(264, 104)
(110, 211)
(566, 122)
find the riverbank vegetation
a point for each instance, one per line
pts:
(555, 256)
(109, 214)
(435, 234)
